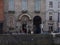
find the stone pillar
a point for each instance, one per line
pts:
(41, 28)
(27, 28)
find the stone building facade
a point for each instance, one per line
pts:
(53, 15)
(27, 16)
(24, 16)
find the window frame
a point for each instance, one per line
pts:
(24, 5)
(58, 4)
(51, 28)
(37, 5)
(50, 13)
(50, 4)
(50, 18)
(11, 6)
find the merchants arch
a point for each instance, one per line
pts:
(25, 23)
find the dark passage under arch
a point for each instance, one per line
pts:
(37, 24)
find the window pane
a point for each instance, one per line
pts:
(37, 5)
(50, 4)
(58, 4)
(24, 4)
(50, 13)
(51, 28)
(11, 5)
(50, 17)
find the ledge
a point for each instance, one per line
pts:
(11, 12)
(37, 11)
(24, 11)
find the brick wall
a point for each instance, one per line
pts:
(1, 11)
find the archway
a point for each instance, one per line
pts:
(24, 15)
(25, 21)
(37, 24)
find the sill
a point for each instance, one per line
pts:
(37, 11)
(24, 11)
(11, 12)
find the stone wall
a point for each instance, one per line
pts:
(56, 39)
(35, 39)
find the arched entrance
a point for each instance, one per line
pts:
(37, 24)
(25, 21)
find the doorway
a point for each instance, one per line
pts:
(37, 24)
(25, 21)
(1, 28)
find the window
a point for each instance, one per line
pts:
(58, 4)
(37, 5)
(11, 5)
(50, 13)
(24, 5)
(51, 4)
(50, 17)
(50, 28)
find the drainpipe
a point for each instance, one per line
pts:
(58, 22)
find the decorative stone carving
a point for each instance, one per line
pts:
(24, 15)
